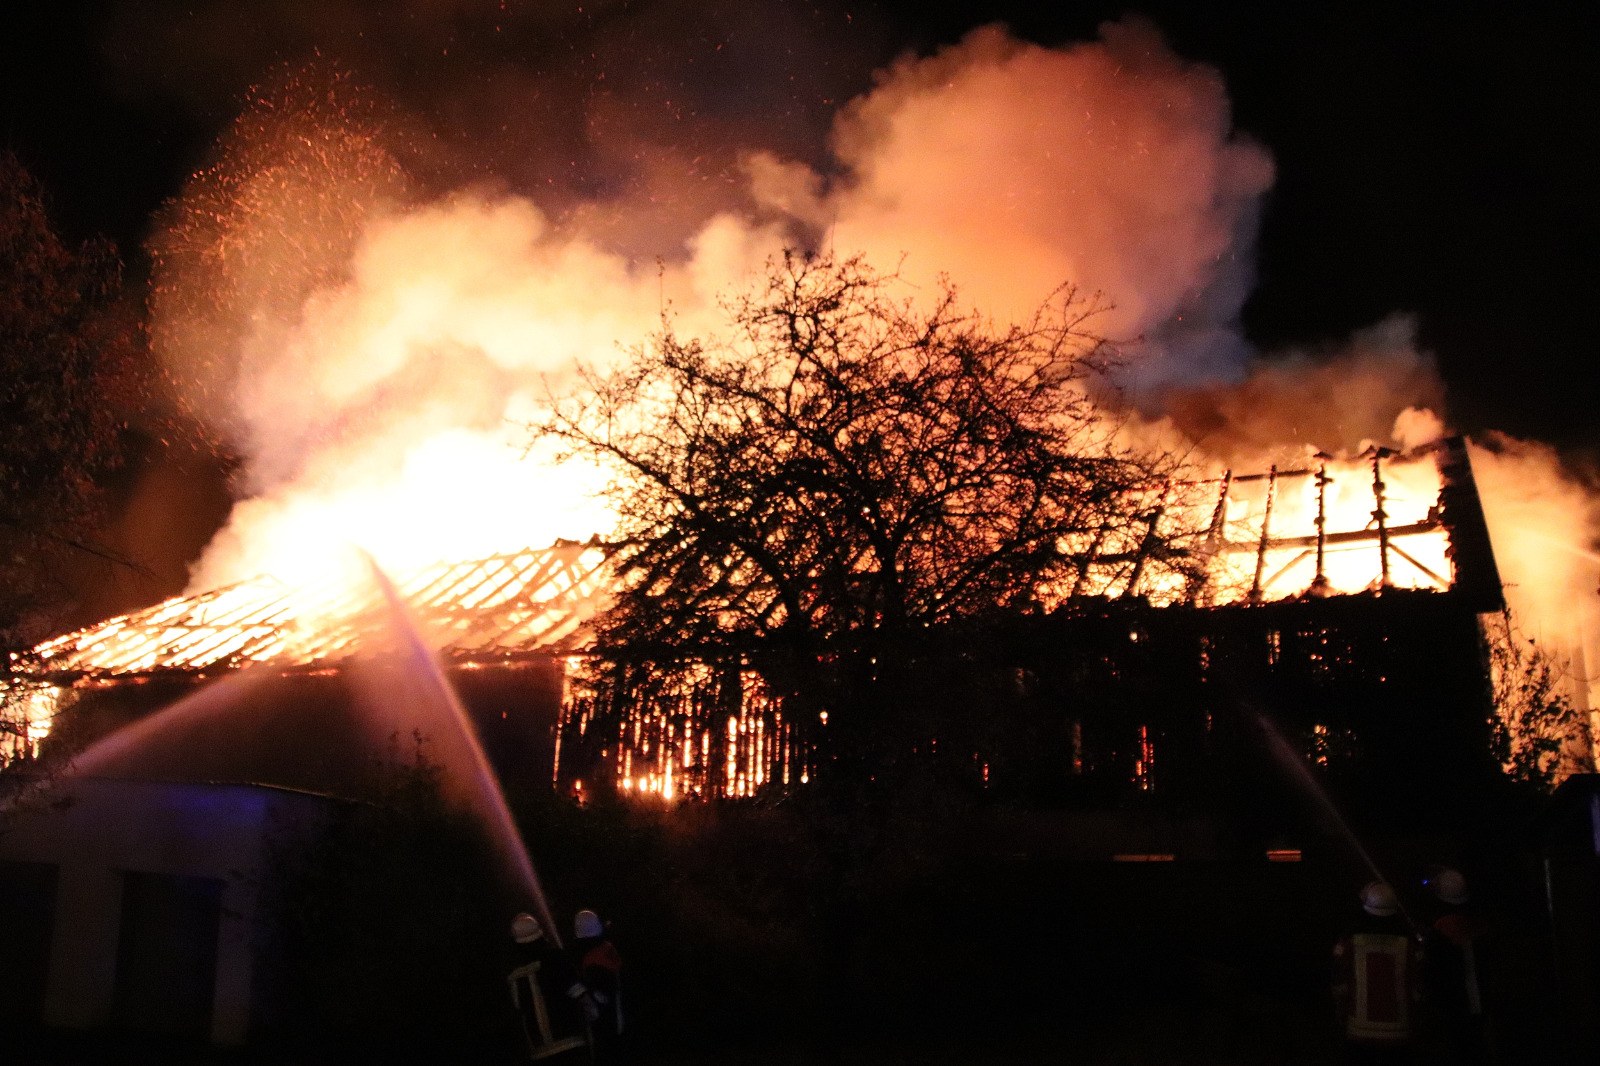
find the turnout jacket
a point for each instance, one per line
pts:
(1377, 981)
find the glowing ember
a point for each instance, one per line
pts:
(30, 710)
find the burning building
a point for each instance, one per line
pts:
(144, 887)
(1340, 598)
(372, 347)
(503, 625)
(1340, 595)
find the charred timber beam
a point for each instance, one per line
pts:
(1319, 585)
(1285, 568)
(1354, 536)
(1273, 475)
(1266, 535)
(1381, 516)
(1233, 547)
(1214, 533)
(1149, 541)
(1408, 557)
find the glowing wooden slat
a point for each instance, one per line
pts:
(576, 605)
(439, 579)
(520, 577)
(558, 576)
(492, 580)
(507, 604)
(538, 627)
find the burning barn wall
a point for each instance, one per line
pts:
(1345, 592)
(691, 730)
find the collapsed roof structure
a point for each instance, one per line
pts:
(514, 614)
(498, 609)
(1345, 591)
(1324, 552)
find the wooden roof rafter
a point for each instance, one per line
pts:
(505, 607)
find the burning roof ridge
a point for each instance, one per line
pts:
(499, 605)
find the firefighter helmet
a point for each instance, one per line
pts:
(1378, 899)
(586, 925)
(1449, 887)
(525, 929)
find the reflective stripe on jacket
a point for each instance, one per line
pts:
(1380, 976)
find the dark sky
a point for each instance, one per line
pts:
(1442, 164)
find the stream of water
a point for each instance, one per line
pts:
(406, 691)
(468, 762)
(1295, 767)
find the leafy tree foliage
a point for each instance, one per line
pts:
(1539, 735)
(848, 470)
(68, 375)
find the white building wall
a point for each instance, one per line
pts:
(96, 829)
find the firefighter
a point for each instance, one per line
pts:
(549, 999)
(1454, 977)
(599, 968)
(1376, 981)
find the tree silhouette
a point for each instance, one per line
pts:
(848, 471)
(1540, 737)
(69, 373)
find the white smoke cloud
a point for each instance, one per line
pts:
(390, 413)
(369, 350)
(1015, 169)
(1543, 523)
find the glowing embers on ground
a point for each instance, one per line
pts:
(1322, 527)
(693, 731)
(485, 609)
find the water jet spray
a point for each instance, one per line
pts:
(1292, 762)
(486, 795)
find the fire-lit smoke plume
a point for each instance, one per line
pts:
(1014, 168)
(369, 350)
(1543, 522)
(371, 354)
(1331, 400)
(369, 341)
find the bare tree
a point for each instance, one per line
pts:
(847, 471)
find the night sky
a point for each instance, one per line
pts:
(1438, 164)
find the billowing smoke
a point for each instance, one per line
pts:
(1332, 400)
(1543, 521)
(1014, 168)
(371, 353)
(369, 349)
(367, 331)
